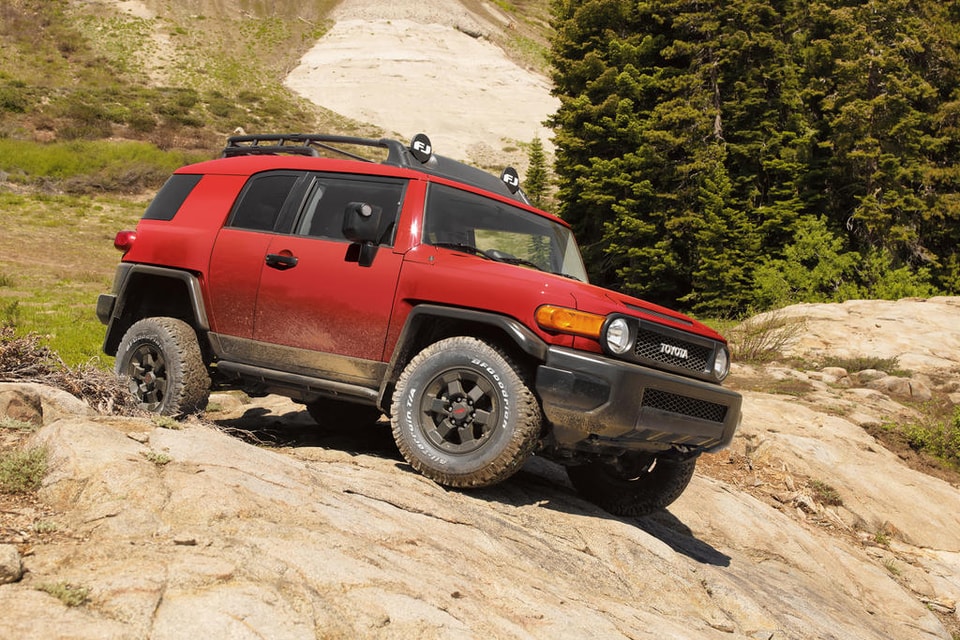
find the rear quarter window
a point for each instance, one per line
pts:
(171, 196)
(262, 199)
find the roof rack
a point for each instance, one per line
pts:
(418, 155)
(306, 144)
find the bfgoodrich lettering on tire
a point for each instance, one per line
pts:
(463, 415)
(161, 362)
(634, 485)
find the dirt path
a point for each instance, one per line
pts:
(414, 67)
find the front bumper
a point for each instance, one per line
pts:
(595, 403)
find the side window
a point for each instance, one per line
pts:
(329, 196)
(171, 196)
(261, 201)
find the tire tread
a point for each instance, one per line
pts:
(191, 390)
(519, 448)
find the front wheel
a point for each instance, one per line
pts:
(160, 360)
(463, 414)
(633, 485)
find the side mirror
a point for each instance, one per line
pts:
(361, 226)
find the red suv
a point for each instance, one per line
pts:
(366, 277)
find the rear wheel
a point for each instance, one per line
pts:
(161, 362)
(633, 485)
(328, 412)
(463, 414)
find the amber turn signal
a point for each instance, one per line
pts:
(567, 320)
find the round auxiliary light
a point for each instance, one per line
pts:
(511, 178)
(618, 336)
(421, 148)
(721, 364)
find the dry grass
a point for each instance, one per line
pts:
(25, 359)
(763, 338)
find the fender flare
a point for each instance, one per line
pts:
(525, 339)
(112, 312)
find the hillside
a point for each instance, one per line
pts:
(186, 75)
(100, 100)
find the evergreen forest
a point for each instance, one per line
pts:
(735, 156)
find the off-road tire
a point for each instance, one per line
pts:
(463, 414)
(160, 360)
(328, 412)
(626, 489)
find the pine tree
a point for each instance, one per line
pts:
(686, 126)
(627, 135)
(537, 180)
(726, 244)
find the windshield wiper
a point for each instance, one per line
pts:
(460, 246)
(492, 254)
(520, 261)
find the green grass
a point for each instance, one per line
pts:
(80, 77)
(939, 438)
(45, 526)
(85, 165)
(855, 364)
(69, 594)
(56, 257)
(166, 422)
(12, 424)
(159, 459)
(935, 436)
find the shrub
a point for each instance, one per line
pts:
(814, 268)
(941, 439)
(762, 338)
(854, 364)
(141, 121)
(159, 459)
(13, 424)
(68, 594)
(825, 493)
(22, 470)
(13, 100)
(83, 159)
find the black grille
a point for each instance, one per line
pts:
(661, 349)
(673, 403)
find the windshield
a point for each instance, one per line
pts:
(469, 222)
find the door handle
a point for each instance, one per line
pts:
(280, 262)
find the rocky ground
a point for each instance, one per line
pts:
(254, 524)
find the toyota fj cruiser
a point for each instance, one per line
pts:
(365, 277)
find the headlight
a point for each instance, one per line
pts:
(721, 364)
(618, 336)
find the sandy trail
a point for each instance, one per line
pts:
(410, 67)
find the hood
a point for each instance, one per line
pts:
(473, 281)
(604, 301)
